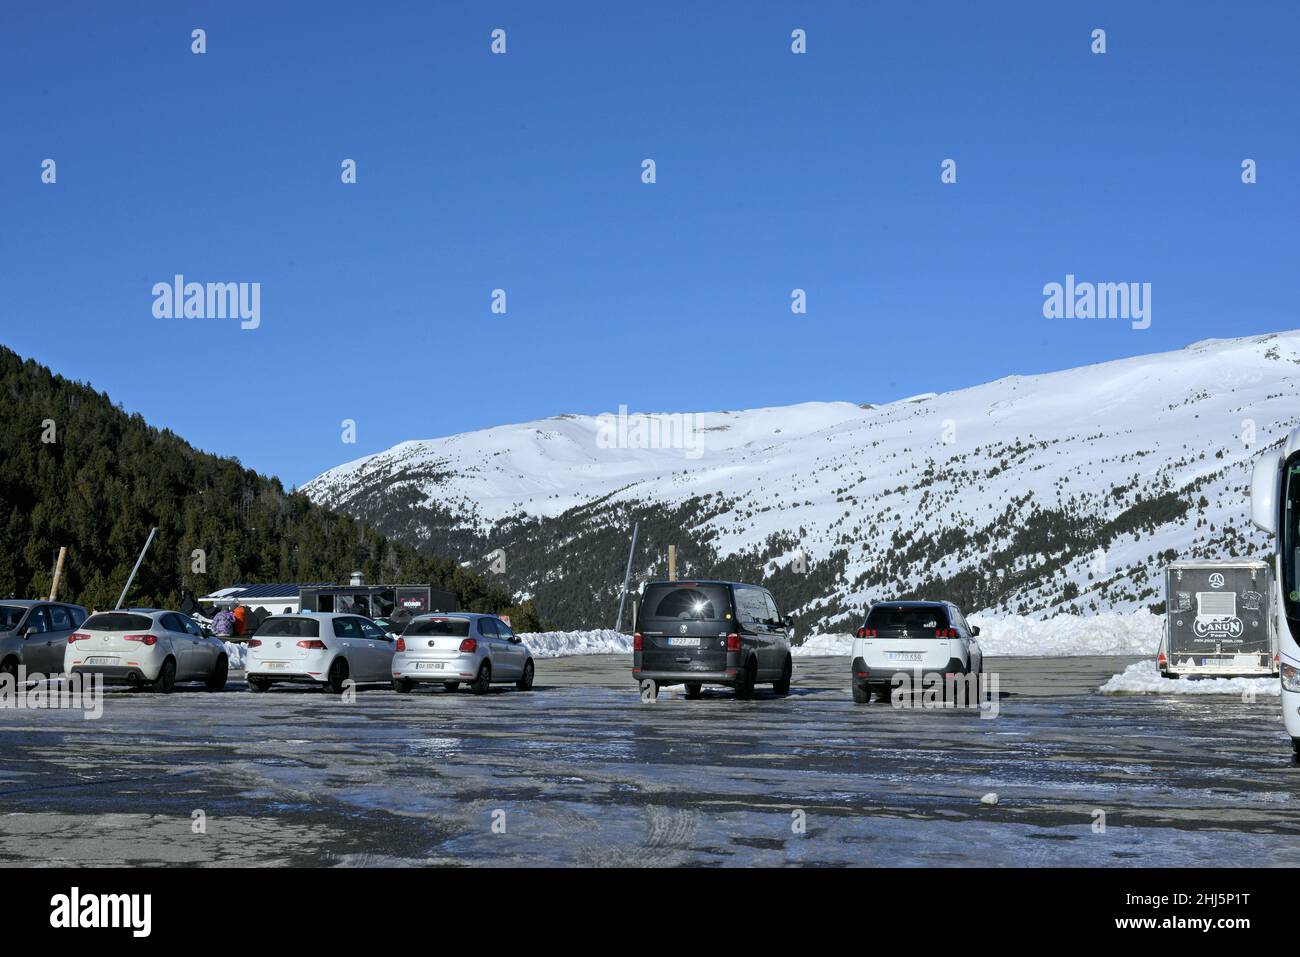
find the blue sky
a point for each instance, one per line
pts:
(522, 172)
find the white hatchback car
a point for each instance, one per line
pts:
(462, 646)
(323, 648)
(146, 647)
(916, 637)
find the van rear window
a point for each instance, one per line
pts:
(886, 618)
(686, 602)
(117, 621)
(450, 627)
(296, 626)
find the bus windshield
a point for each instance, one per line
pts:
(1290, 539)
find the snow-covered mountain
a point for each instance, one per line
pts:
(1029, 494)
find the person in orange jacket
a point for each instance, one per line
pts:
(241, 620)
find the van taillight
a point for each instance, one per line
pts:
(149, 640)
(637, 641)
(401, 644)
(255, 642)
(733, 642)
(945, 633)
(468, 645)
(312, 644)
(866, 632)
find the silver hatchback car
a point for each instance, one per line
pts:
(35, 633)
(456, 647)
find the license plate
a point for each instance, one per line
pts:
(100, 661)
(684, 642)
(275, 665)
(430, 665)
(906, 656)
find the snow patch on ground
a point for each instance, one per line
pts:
(557, 644)
(1109, 633)
(1145, 678)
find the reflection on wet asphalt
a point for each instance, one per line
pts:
(579, 771)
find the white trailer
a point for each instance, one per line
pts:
(1218, 620)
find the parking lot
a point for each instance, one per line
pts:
(580, 771)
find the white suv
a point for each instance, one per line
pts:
(918, 638)
(321, 648)
(146, 647)
(451, 648)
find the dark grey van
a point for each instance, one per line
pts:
(710, 632)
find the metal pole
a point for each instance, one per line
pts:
(627, 575)
(121, 598)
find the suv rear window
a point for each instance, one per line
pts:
(452, 627)
(117, 621)
(887, 618)
(289, 627)
(686, 602)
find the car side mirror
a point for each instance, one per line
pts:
(28, 631)
(974, 630)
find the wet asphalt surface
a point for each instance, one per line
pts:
(581, 772)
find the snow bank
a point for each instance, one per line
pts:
(1109, 633)
(1145, 678)
(557, 644)
(236, 652)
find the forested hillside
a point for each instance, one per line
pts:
(81, 472)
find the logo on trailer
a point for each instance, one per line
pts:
(1216, 580)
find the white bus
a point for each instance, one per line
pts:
(1275, 508)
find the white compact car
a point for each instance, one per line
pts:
(917, 637)
(146, 647)
(451, 648)
(322, 648)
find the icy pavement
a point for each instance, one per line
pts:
(579, 771)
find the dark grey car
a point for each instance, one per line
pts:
(710, 632)
(35, 633)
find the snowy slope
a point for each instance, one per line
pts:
(1029, 494)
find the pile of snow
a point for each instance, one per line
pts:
(1109, 633)
(557, 644)
(1145, 678)
(236, 653)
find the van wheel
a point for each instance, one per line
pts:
(782, 687)
(526, 682)
(257, 685)
(217, 680)
(694, 690)
(338, 674)
(402, 686)
(861, 693)
(484, 680)
(166, 679)
(745, 682)
(451, 685)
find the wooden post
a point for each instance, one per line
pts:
(672, 563)
(58, 572)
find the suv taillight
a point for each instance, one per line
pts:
(468, 645)
(401, 644)
(149, 640)
(733, 642)
(637, 641)
(312, 644)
